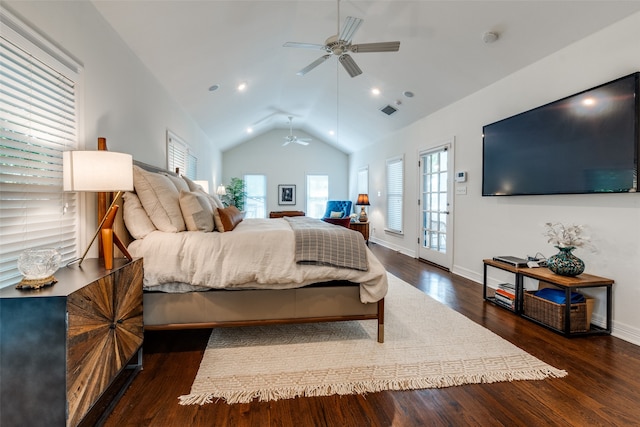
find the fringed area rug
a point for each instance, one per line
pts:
(427, 345)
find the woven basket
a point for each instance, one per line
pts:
(552, 314)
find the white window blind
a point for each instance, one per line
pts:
(395, 183)
(38, 121)
(256, 200)
(363, 180)
(180, 156)
(317, 195)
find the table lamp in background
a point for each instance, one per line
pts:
(363, 200)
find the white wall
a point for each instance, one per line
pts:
(265, 155)
(486, 226)
(120, 98)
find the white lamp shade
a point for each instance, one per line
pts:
(204, 185)
(221, 191)
(100, 171)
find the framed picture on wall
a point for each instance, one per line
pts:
(286, 194)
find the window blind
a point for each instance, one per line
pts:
(38, 121)
(395, 183)
(180, 157)
(363, 180)
(317, 195)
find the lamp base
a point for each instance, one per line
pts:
(363, 215)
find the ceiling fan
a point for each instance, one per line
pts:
(292, 138)
(340, 46)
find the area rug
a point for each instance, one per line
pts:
(427, 345)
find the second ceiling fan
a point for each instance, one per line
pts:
(292, 138)
(340, 46)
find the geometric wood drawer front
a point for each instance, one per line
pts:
(105, 331)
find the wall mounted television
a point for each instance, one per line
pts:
(585, 143)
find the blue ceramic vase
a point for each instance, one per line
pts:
(565, 263)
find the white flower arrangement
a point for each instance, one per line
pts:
(564, 236)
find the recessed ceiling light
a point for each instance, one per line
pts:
(408, 93)
(375, 91)
(214, 87)
(249, 130)
(332, 132)
(242, 86)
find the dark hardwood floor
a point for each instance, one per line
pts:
(602, 388)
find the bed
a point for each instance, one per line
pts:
(256, 272)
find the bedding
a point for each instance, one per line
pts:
(321, 243)
(257, 254)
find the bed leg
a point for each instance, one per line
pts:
(381, 321)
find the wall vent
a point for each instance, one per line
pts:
(388, 110)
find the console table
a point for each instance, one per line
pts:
(62, 346)
(568, 284)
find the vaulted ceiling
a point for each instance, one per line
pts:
(192, 45)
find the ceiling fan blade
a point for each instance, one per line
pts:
(305, 45)
(376, 47)
(301, 142)
(287, 142)
(313, 65)
(349, 28)
(350, 65)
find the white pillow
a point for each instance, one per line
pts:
(180, 184)
(336, 214)
(196, 211)
(213, 198)
(135, 217)
(192, 185)
(160, 199)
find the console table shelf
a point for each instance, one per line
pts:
(567, 284)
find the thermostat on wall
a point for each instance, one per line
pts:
(461, 176)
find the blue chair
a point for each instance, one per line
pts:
(343, 206)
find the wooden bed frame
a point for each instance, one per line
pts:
(322, 302)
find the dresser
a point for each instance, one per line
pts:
(63, 345)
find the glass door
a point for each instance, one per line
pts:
(435, 204)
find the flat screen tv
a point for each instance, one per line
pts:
(584, 143)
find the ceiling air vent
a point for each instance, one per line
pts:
(388, 110)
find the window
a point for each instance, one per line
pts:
(38, 121)
(363, 180)
(256, 199)
(395, 183)
(180, 156)
(317, 195)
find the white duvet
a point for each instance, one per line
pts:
(258, 253)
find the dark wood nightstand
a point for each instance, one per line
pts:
(62, 346)
(362, 227)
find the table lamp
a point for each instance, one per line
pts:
(100, 171)
(363, 200)
(221, 191)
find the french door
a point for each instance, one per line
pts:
(435, 205)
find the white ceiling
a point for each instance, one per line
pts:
(191, 45)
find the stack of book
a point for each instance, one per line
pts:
(505, 295)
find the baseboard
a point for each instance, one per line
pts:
(626, 332)
(468, 274)
(393, 247)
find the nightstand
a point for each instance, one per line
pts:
(362, 227)
(62, 346)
